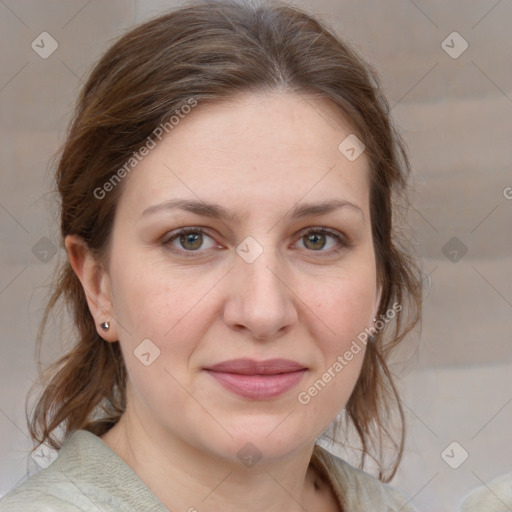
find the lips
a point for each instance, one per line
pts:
(252, 367)
(258, 380)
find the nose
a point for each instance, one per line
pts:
(260, 303)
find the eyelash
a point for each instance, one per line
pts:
(340, 239)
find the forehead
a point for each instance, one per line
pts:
(255, 149)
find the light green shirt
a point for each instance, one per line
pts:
(88, 476)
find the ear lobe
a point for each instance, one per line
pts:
(95, 282)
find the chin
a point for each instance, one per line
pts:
(266, 438)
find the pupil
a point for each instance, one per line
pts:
(194, 239)
(315, 239)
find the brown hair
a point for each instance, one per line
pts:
(209, 52)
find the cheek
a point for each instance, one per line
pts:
(342, 311)
(342, 317)
(167, 308)
(151, 300)
(345, 306)
(158, 333)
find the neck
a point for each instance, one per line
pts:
(186, 478)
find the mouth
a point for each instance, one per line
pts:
(258, 380)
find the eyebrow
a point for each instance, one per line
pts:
(217, 211)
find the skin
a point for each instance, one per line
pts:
(257, 155)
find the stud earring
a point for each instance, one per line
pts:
(371, 338)
(105, 326)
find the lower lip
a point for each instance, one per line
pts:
(258, 387)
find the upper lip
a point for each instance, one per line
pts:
(253, 367)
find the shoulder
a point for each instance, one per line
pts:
(56, 488)
(356, 489)
(46, 491)
(493, 496)
(86, 476)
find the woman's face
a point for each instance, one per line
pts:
(231, 333)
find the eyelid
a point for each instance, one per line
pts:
(174, 234)
(341, 239)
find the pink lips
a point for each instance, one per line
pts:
(258, 380)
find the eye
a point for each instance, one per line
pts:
(318, 239)
(193, 241)
(188, 240)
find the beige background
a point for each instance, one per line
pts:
(455, 114)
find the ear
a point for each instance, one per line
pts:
(96, 284)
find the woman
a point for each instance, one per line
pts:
(234, 273)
